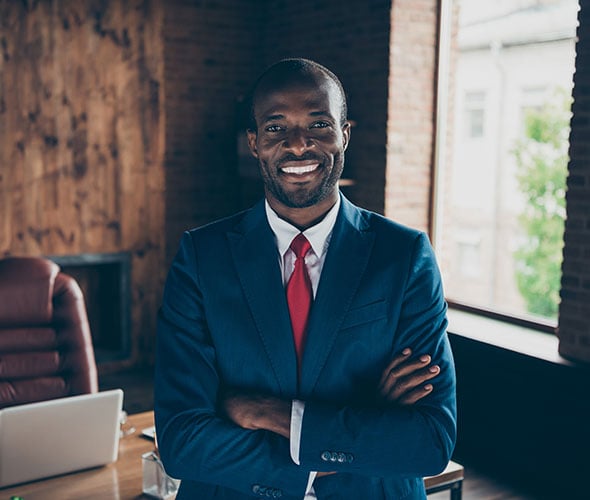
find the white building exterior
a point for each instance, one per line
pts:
(512, 55)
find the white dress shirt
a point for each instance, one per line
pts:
(319, 237)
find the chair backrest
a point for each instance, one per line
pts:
(45, 343)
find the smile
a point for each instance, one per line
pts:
(300, 170)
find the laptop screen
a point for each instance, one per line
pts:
(39, 440)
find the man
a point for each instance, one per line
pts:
(295, 338)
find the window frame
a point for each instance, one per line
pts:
(440, 156)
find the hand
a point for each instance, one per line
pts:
(256, 411)
(402, 379)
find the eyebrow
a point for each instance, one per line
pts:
(273, 117)
(279, 116)
(320, 113)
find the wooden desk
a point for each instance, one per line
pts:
(121, 480)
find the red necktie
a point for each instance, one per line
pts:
(299, 294)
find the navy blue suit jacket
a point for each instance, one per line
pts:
(224, 322)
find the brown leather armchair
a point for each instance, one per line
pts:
(45, 343)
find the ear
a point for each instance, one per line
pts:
(252, 136)
(346, 134)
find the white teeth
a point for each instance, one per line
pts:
(300, 170)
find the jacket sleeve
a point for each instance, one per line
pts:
(415, 440)
(195, 442)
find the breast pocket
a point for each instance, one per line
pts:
(365, 314)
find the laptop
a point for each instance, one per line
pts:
(48, 438)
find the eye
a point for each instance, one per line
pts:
(273, 128)
(320, 124)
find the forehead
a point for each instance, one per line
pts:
(320, 94)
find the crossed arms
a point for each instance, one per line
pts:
(403, 382)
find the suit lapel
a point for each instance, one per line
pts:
(255, 255)
(348, 254)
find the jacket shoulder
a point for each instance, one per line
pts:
(227, 224)
(390, 229)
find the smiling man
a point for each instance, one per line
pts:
(302, 348)
(299, 139)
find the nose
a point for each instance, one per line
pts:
(297, 141)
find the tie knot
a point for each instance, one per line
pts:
(300, 245)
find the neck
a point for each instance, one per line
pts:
(303, 218)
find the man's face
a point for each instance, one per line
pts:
(300, 142)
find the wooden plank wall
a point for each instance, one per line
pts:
(82, 138)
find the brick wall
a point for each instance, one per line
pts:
(412, 87)
(211, 56)
(574, 311)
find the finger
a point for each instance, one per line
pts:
(415, 395)
(391, 379)
(400, 358)
(410, 382)
(407, 367)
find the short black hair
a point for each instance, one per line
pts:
(280, 74)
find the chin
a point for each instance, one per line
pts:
(305, 199)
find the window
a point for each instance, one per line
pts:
(468, 255)
(474, 114)
(500, 190)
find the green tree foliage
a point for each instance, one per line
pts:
(541, 158)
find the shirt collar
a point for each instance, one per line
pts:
(318, 235)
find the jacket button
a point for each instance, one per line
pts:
(256, 489)
(349, 457)
(333, 456)
(326, 456)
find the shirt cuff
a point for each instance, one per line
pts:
(310, 492)
(297, 409)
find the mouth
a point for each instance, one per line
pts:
(299, 167)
